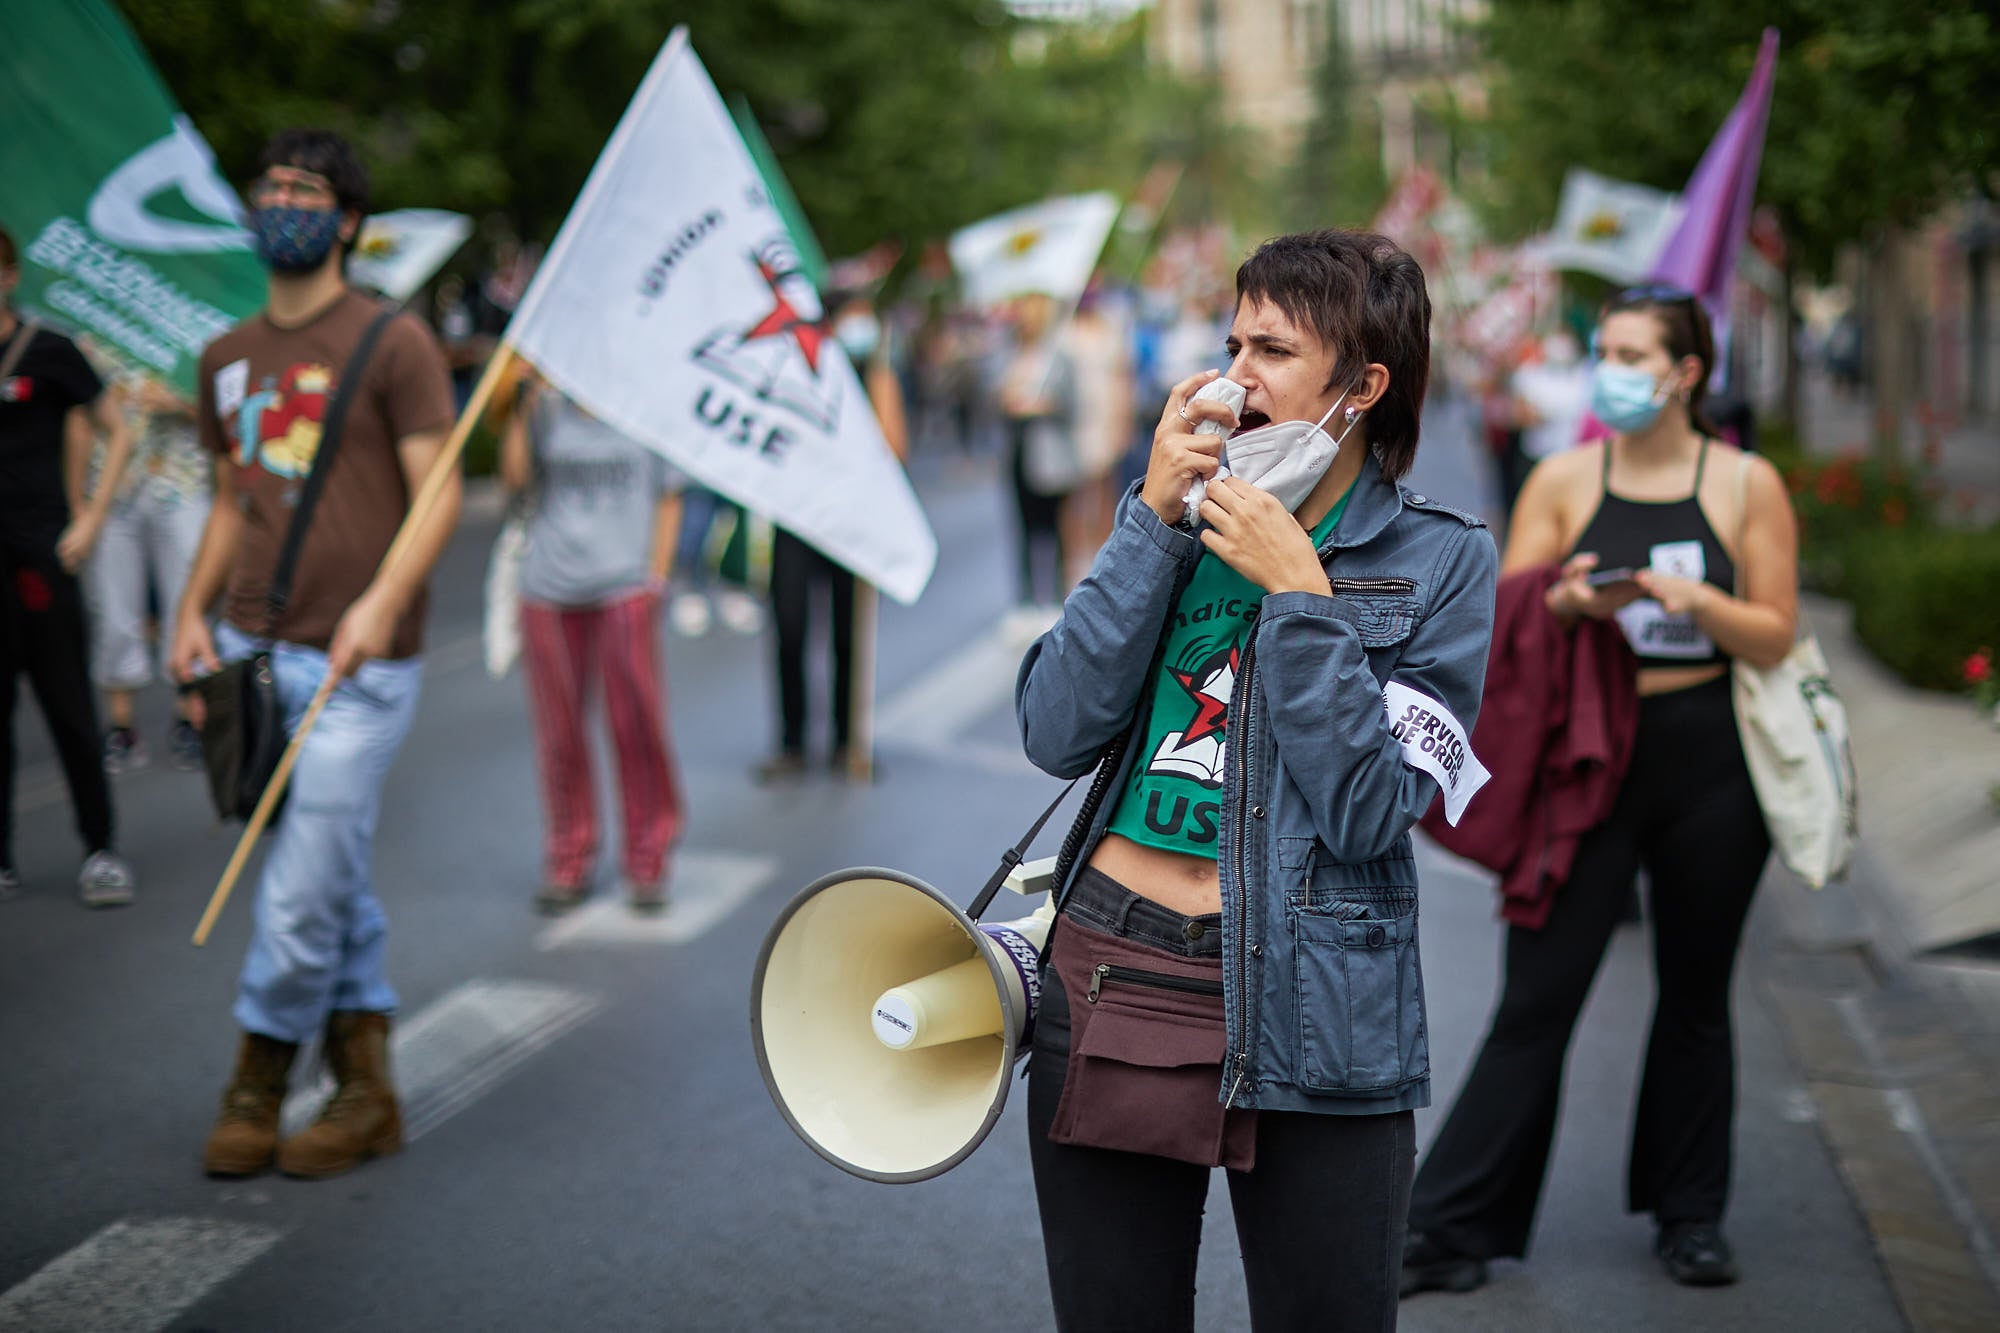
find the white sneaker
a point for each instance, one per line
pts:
(105, 881)
(688, 614)
(740, 611)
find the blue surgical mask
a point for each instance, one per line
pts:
(294, 240)
(1625, 398)
(858, 335)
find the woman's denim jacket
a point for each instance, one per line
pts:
(1322, 989)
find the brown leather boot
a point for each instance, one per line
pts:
(361, 1119)
(245, 1138)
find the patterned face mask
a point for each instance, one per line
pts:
(294, 240)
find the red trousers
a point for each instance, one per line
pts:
(569, 651)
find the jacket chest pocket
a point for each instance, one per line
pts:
(1383, 610)
(1360, 995)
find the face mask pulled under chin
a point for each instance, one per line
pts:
(1285, 459)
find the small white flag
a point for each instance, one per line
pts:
(398, 251)
(1612, 228)
(672, 306)
(1049, 247)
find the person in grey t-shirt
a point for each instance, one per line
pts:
(604, 514)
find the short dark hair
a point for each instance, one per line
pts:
(1684, 331)
(323, 153)
(9, 256)
(1363, 296)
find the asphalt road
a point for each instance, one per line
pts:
(592, 1145)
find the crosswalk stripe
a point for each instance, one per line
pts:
(936, 707)
(462, 1044)
(707, 887)
(135, 1276)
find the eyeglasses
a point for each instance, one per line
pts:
(303, 190)
(1664, 292)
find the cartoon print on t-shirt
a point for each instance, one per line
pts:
(1196, 751)
(279, 425)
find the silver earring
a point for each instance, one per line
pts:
(1352, 413)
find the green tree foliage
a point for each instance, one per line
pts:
(1880, 111)
(1337, 176)
(897, 117)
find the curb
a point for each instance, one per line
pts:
(1899, 1049)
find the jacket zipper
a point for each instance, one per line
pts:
(1134, 976)
(1385, 584)
(1240, 728)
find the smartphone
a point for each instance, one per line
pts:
(1604, 578)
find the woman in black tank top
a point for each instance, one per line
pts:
(1656, 501)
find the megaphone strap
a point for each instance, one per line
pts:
(1012, 856)
(1093, 800)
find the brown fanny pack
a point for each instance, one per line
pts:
(1145, 1053)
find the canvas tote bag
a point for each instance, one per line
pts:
(1795, 741)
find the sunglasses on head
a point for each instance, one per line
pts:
(1656, 291)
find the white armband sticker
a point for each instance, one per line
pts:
(1434, 742)
(232, 383)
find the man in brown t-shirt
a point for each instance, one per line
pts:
(316, 954)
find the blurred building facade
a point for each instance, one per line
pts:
(1414, 65)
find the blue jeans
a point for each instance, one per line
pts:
(320, 932)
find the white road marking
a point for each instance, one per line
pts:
(929, 714)
(707, 887)
(459, 1046)
(135, 1276)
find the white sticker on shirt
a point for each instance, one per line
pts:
(1654, 633)
(1434, 742)
(232, 382)
(1648, 627)
(1683, 560)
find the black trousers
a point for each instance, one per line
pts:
(1689, 815)
(796, 568)
(43, 634)
(1319, 1218)
(1039, 521)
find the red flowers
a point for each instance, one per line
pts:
(1979, 667)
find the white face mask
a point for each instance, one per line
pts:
(1286, 459)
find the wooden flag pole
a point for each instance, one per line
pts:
(426, 500)
(861, 704)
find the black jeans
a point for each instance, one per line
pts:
(1688, 814)
(1319, 1219)
(44, 636)
(795, 568)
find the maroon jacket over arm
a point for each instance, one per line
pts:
(1556, 728)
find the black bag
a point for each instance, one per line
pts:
(243, 735)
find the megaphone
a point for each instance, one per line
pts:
(886, 1020)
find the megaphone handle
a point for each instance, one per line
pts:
(1012, 856)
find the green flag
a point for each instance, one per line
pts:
(812, 259)
(128, 235)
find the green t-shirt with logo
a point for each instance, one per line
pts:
(1173, 799)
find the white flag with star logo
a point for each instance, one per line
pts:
(1050, 247)
(672, 306)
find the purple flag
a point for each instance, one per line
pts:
(1701, 255)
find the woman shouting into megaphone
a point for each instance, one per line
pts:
(1274, 665)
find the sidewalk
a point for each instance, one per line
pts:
(1900, 1043)
(1967, 456)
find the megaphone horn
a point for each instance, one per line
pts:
(886, 1020)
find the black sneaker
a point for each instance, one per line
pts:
(124, 750)
(184, 743)
(1695, 1254)
(1428, 1266)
